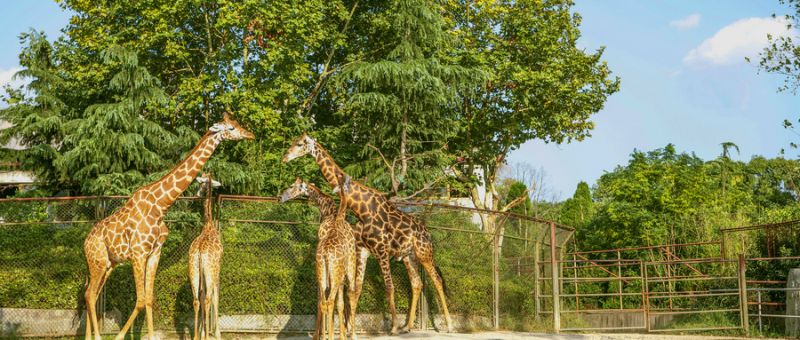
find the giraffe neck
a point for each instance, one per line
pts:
(174, 183)
(330, 170)
(207, 210)
(326, 205)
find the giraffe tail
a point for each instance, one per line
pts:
(81, 307)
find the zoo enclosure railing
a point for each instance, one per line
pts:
(267, 271)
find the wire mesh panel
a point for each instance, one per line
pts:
(487, 261)
(41, 263)
(692, 295)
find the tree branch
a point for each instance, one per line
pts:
(516, 201)
(324, 74)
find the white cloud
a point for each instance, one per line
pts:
(686, 23)
(6, 76)
(732, 43)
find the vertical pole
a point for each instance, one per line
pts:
(743, 296)
(619, 280)
(644, 296)
(422, 309)
(646, 292)
(760, 328)
(536, 279)
(100, 213)
(554, 274)
(575, 284)
(496, 280)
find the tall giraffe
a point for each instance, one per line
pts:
(383, 231)
(205, 255)
(335, 257)
(137, 231)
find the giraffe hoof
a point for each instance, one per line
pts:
(405, 330)
(393, 331)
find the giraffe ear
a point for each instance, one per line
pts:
(215, 184)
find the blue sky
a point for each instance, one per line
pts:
(669, 94)
(695, 100)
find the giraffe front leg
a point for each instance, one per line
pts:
(416, 288)
(386, 270)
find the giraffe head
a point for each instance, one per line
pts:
(301, 146)
(205, 186)
(229, 129)
(298, 188)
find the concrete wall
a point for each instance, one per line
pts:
(44, 322)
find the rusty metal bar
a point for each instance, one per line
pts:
(705, 260)
(691, 278)
(602, 294)
(594, 264)
(693, 329)
(777, 282)
(602, 311)
(682, 295)
(646, 248)
(773, 258)
(761, 226)
(705, 311)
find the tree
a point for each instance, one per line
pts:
(578, 211)
(400, 95)
(112, 147)
(541, 85)
(37, 119)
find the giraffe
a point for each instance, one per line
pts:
(205, 254)
(136, 231)
(335, 257)
(383, 231)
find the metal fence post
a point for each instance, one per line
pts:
(496, 279)
(100, 213)
(536, 280)
(743, 295)
(554, 271)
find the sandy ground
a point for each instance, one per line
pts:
(500, 335)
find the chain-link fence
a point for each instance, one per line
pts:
(488, 260)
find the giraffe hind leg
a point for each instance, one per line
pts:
(430, 268)
(416, 288)
(195, 270)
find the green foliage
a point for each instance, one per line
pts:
(111, 147)
(663, 197)
(578, 210)
(400, 94)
